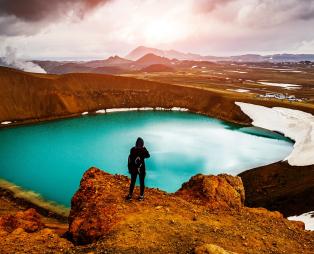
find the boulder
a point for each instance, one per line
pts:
(96, 205)
(211, 249)
(218, 192)
(29, 221)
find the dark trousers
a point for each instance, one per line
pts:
(142, 182)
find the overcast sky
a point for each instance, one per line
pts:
(83, 29)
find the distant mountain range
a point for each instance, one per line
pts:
(171, 54)
(141, 51)
(111, 65)
(142, 57)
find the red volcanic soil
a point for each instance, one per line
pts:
(158, 68)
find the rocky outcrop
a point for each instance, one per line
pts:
(99, 203)
(280, 187)
(29, 221)
(222, 191)
(206, 209)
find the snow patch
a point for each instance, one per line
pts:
(307, 218)
(160, 108)
(295, 124)
(179, 109)
(239, 90)
(84, 113)
(293, 71)
(284, 85)
(101, 111)
(6, 122)
(239, 71)
(145, 108)
(269, 68)
(112, 110)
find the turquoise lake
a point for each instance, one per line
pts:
(50, 158)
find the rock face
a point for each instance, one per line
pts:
(280, 187)
(94, 207)
(99, 203)
(29, 221)
(222, 191)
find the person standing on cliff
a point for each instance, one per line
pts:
(136, 166)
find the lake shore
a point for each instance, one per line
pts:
(28, 199)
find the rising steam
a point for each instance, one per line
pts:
(10, 59)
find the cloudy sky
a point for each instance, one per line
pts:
(85, 29)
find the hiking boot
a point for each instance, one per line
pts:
(128, 197)
(141, 198)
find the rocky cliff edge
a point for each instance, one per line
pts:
(206, 215)
(206, 210)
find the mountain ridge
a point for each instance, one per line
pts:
(283, 57)
(140, 51)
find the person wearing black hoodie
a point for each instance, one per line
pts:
(136, 166)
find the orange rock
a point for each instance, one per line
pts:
(222, 191)
(28, 220)
(94, 207)
(211, 249)
(298, 224)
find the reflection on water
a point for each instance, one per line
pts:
(50, 158)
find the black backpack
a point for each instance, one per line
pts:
(134, 163)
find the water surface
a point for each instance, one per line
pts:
(50, 158)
